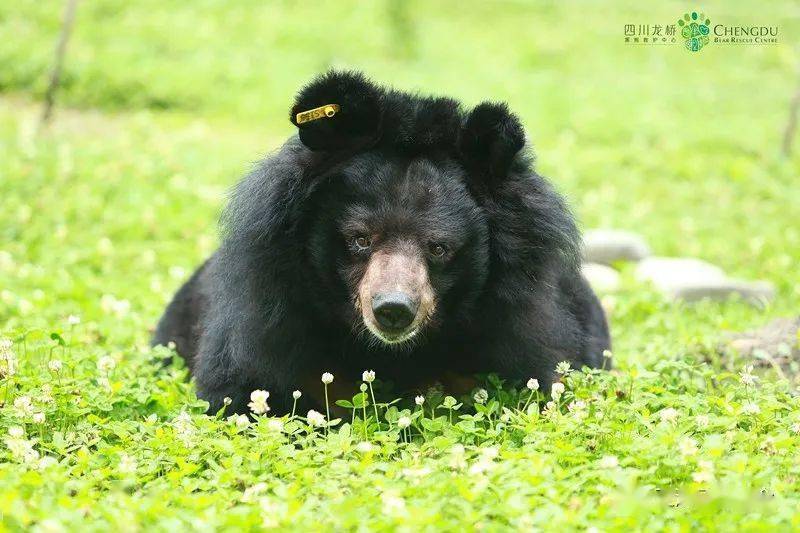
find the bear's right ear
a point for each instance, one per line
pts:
(338, 110)
(490, 140)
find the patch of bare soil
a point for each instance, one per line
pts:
(775, 345)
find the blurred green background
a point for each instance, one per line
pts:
(164, 104)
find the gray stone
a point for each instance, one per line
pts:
(607, 246)
(668, 272)
(693, 280)
(602, 278)
(754, 292)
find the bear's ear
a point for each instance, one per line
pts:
(490, 139)
(338, 110)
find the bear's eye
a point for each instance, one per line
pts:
(437, 250)
(360, 243)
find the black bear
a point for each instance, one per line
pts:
(395, 232)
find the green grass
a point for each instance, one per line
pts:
(107, 211)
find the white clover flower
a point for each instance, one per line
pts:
(795, 428)
(688, 447)
(73, 320)
(105, 246)
(419, 400)
(6, 260)
(16, 432)
(22, 449)
(327, 378)
(177, 272)
(364, 447)
(31, 457)
(106, 364)
(25, 307)
(609, 461)
(258, 401)
(668, 415)
(296, 394)
(563, 368)
(368, 376)
(607, 354)
(490, 452)
(457, 459)
(23, 405)
(127, 464)
(275, 425)
(578, 408)
(241, 421)
(38, 418)
(271, 512)
(259, 395)
(315, 418)
(226, 401)
(550, 408)
(393, 504)
(746, 376)
(46, 462)
(183, 418)
(55, 365)
(557, 390)
(8, 364)
(751, 408)
(251, 492)
(533, 384)
(403, 422)
(183, 426)
(480, 396)
(110, 304)
(705, 472)
(480, 466)
(6, 344)
(768, 445)
(702, 421)
(416, 473)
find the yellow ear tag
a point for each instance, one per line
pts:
(325, 111)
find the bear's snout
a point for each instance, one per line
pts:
(395, 295)
(394, 311)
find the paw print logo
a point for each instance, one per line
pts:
(695, 30)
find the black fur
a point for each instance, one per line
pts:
(273, 307)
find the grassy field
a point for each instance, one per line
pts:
(165, 104)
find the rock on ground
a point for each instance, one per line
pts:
(692, 280)
(667, 272)
(606, 246)
(602, 278)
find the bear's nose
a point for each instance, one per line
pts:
(394, 311)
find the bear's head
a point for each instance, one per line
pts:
(395, 243)
(391, 212)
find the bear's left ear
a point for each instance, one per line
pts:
(490, 140)
(339, 110)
